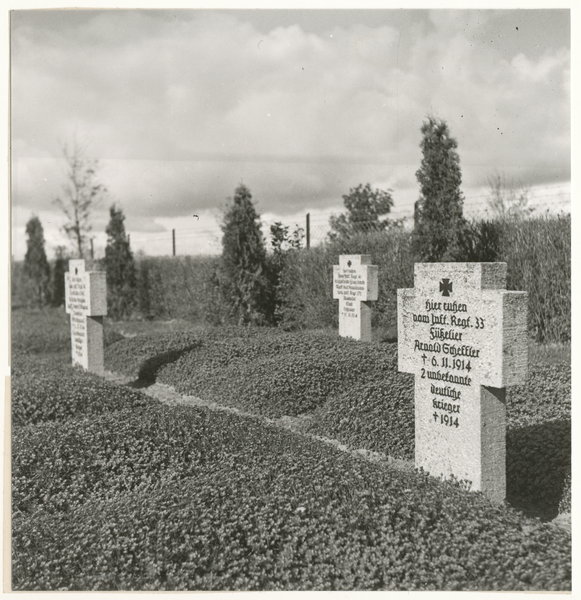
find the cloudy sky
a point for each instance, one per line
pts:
(180, 106)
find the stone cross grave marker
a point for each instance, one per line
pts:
(355, 285)
(464, 337)
(86, 302)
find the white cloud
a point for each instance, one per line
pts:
(179, 110)
(550, 66)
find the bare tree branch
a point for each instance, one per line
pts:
(81, 193)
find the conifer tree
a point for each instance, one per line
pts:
(243, 276)
(120, 266)
(61, 262)
(438, 221)
(36, 266)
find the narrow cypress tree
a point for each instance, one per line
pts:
(61, 262)
(36, 266)
(121, 277)
(438, 220)
(243, 277)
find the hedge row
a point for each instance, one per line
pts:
(537, 252)
(152, 497)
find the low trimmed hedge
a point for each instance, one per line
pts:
(270, 372)
(114, 491)
(45, 390)
(182, 498)
(46, 331)
(354, 393)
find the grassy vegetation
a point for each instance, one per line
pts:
(537, 252)
(114, 491)
(47, 330)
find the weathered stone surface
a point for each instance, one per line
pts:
(86, 302)
(464, 337)
(355, 285)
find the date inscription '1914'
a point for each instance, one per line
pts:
(459, 330)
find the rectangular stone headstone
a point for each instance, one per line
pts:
(464, 337)
(355, 286)
(86, 302)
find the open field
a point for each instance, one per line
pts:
(113, 490)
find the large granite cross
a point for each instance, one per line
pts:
(464, 337)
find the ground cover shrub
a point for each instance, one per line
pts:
(152, 497)
(538, 442)
(47, 330)
(143, 355)
(47, 389)
(375, 413)
(354, 394)
(545, 396)
(378, 415)
(538, 466)
(565, 502)
(264, 371)
(182, 498)
(283, 384)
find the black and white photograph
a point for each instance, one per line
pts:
(290, 300)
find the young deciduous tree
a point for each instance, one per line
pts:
(508, 198)
(36, 266)
(243, 277)
(120, 267)
(81, 193)
(364, 207)
(282, 242)
(438, 220)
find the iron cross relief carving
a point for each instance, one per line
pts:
(463, 353)
(445, 287)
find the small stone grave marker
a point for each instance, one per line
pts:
(355, 285)
(464, 337)
(86, 302)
